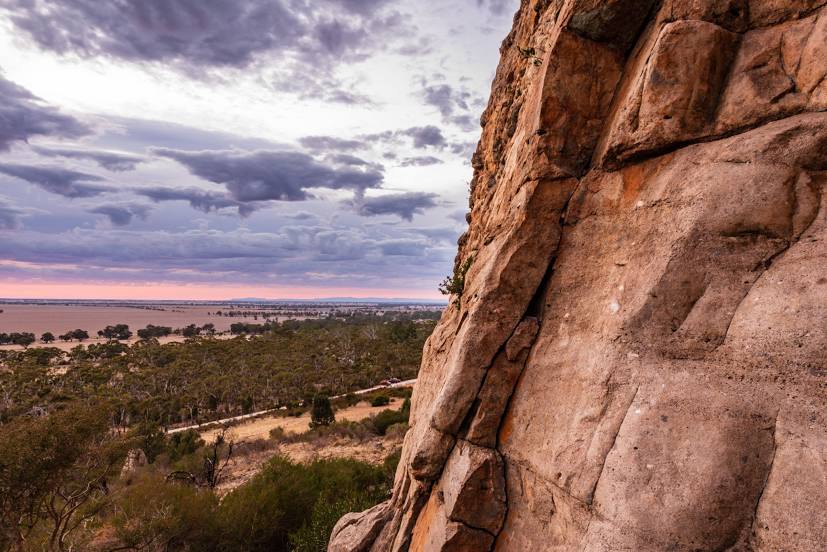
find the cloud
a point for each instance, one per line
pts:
(23, 115)
(331, 143)
(404, 205)
(287, 255)
(422, 161)
(496, 7)
(352, 160)
(320, 83)
(364, 7)
(202, 33)
(9, 216)
(122, 215)
(455, 104)
(445, 98)
(403, 247)
(465, 149)
(427, 136)
(272, 175)
(210, 33)
(71, 184)
(198, 199)
(112, 161)
(308, 39)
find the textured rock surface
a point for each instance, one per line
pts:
(639, 357)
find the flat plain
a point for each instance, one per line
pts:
(58, 319)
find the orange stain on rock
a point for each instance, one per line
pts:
(421, 530)
(506, 427)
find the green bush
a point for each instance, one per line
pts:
(322, 412)
(314, 535)
(300, 500)
(152, 511)
(380, 400)
(387, 418)
(183, 443)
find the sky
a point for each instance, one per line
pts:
(217, 149)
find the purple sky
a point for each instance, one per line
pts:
(225, 148)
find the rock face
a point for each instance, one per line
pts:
(638, 360)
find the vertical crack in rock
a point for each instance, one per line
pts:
(590, 497)
(754, 519)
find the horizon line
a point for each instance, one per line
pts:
(334, 299)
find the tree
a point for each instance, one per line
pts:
(190, 331)
(53, 476)
(25, 339)
(380, 400)
(118, 331)
(47, 337)
(216, 457)
(322, 413)
(154, 331)
(80, 335)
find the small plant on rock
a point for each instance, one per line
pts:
(530, 53)
(455, 285)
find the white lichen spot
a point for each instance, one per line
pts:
(639, 204)
(614, 306)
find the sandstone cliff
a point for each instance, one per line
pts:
(638, 360)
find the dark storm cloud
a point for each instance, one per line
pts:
(201, 200)
(71, 184)
(404, 205)
(23, 115)
(121, 215)
(331, 143)
(117, 162)
(272, 175)
(422, 161)
(9, 216)
(427, 136)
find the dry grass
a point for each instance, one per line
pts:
(260, 428)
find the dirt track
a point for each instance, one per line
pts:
(259, 428)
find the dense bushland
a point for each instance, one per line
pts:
(204, 379)
(68, 482)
